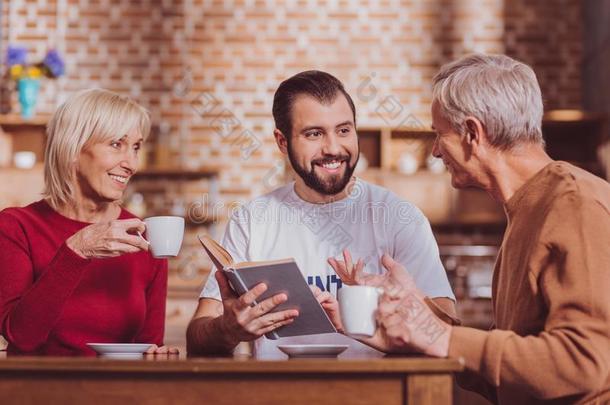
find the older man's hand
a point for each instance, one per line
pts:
(406, 323)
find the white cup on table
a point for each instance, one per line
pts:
(164, 233)
(357, 305)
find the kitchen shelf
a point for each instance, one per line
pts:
(380, 145)
(207, 220)
(381, 174)
(469, 250)
(575, 136)
(19, 134)
(449, 207)
(20, 186)
(571, 135)
(456, 233)
(192, 222)
(178, 174)
(413, 134)
(13, 120)
(395, 129)
(556, 116)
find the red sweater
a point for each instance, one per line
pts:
(53, 302)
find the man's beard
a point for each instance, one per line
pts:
(331, 185)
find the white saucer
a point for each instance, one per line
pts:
(122, 350)
(122, 356)
(311, 351)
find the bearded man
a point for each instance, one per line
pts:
(325, 212)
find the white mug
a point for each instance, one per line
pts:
(357, 305)
(164, 235)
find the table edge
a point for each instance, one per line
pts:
(229, 365)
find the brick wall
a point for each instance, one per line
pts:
(207, 70)
(548, 35)
(386, 52)
(176, 57)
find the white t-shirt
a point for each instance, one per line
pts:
(370, 222)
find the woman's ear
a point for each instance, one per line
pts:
(282, 142)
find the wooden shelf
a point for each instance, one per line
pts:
(13, 120)
(468, 207)
(190, 222)
(191, 292)
(378, 174)
(235, 191)
(379, 144)
(11, 170)
(178, 174)
(20, 187)
(563, 116)
(394, 129)
(469, 250)
(576, 136)
(412, 134)
(207, 220)
(469, 228)
(18, 134)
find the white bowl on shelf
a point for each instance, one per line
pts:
(24, 159)
(407, 163)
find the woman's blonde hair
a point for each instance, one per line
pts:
(88, 117)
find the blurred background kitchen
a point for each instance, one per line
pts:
(207, 71)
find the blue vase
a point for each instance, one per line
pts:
(28, 95)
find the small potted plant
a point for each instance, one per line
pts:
(28, 76)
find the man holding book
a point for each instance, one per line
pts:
(324, 213)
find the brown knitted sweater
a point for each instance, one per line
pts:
(551, 297)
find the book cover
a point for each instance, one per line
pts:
(280, 276)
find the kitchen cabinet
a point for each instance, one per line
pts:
(578, 137)
(21, 186)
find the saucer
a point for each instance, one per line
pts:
(123, 350)
(122, 356)
(312, 351)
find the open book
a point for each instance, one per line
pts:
(280, 276)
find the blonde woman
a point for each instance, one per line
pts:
(74, 269)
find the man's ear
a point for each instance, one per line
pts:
(476, 138)
(282, 142)
(475, 131)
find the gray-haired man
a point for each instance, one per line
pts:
(551, 342)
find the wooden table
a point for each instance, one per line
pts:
(163, 380)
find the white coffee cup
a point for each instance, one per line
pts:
(357, 305)
(164, 235)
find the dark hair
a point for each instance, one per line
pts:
(322, 86)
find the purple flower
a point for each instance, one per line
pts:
(53, 64)
(16, 55)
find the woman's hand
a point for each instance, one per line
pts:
(109, 239)
(330, 305)
(154, 349)
(351, 274)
